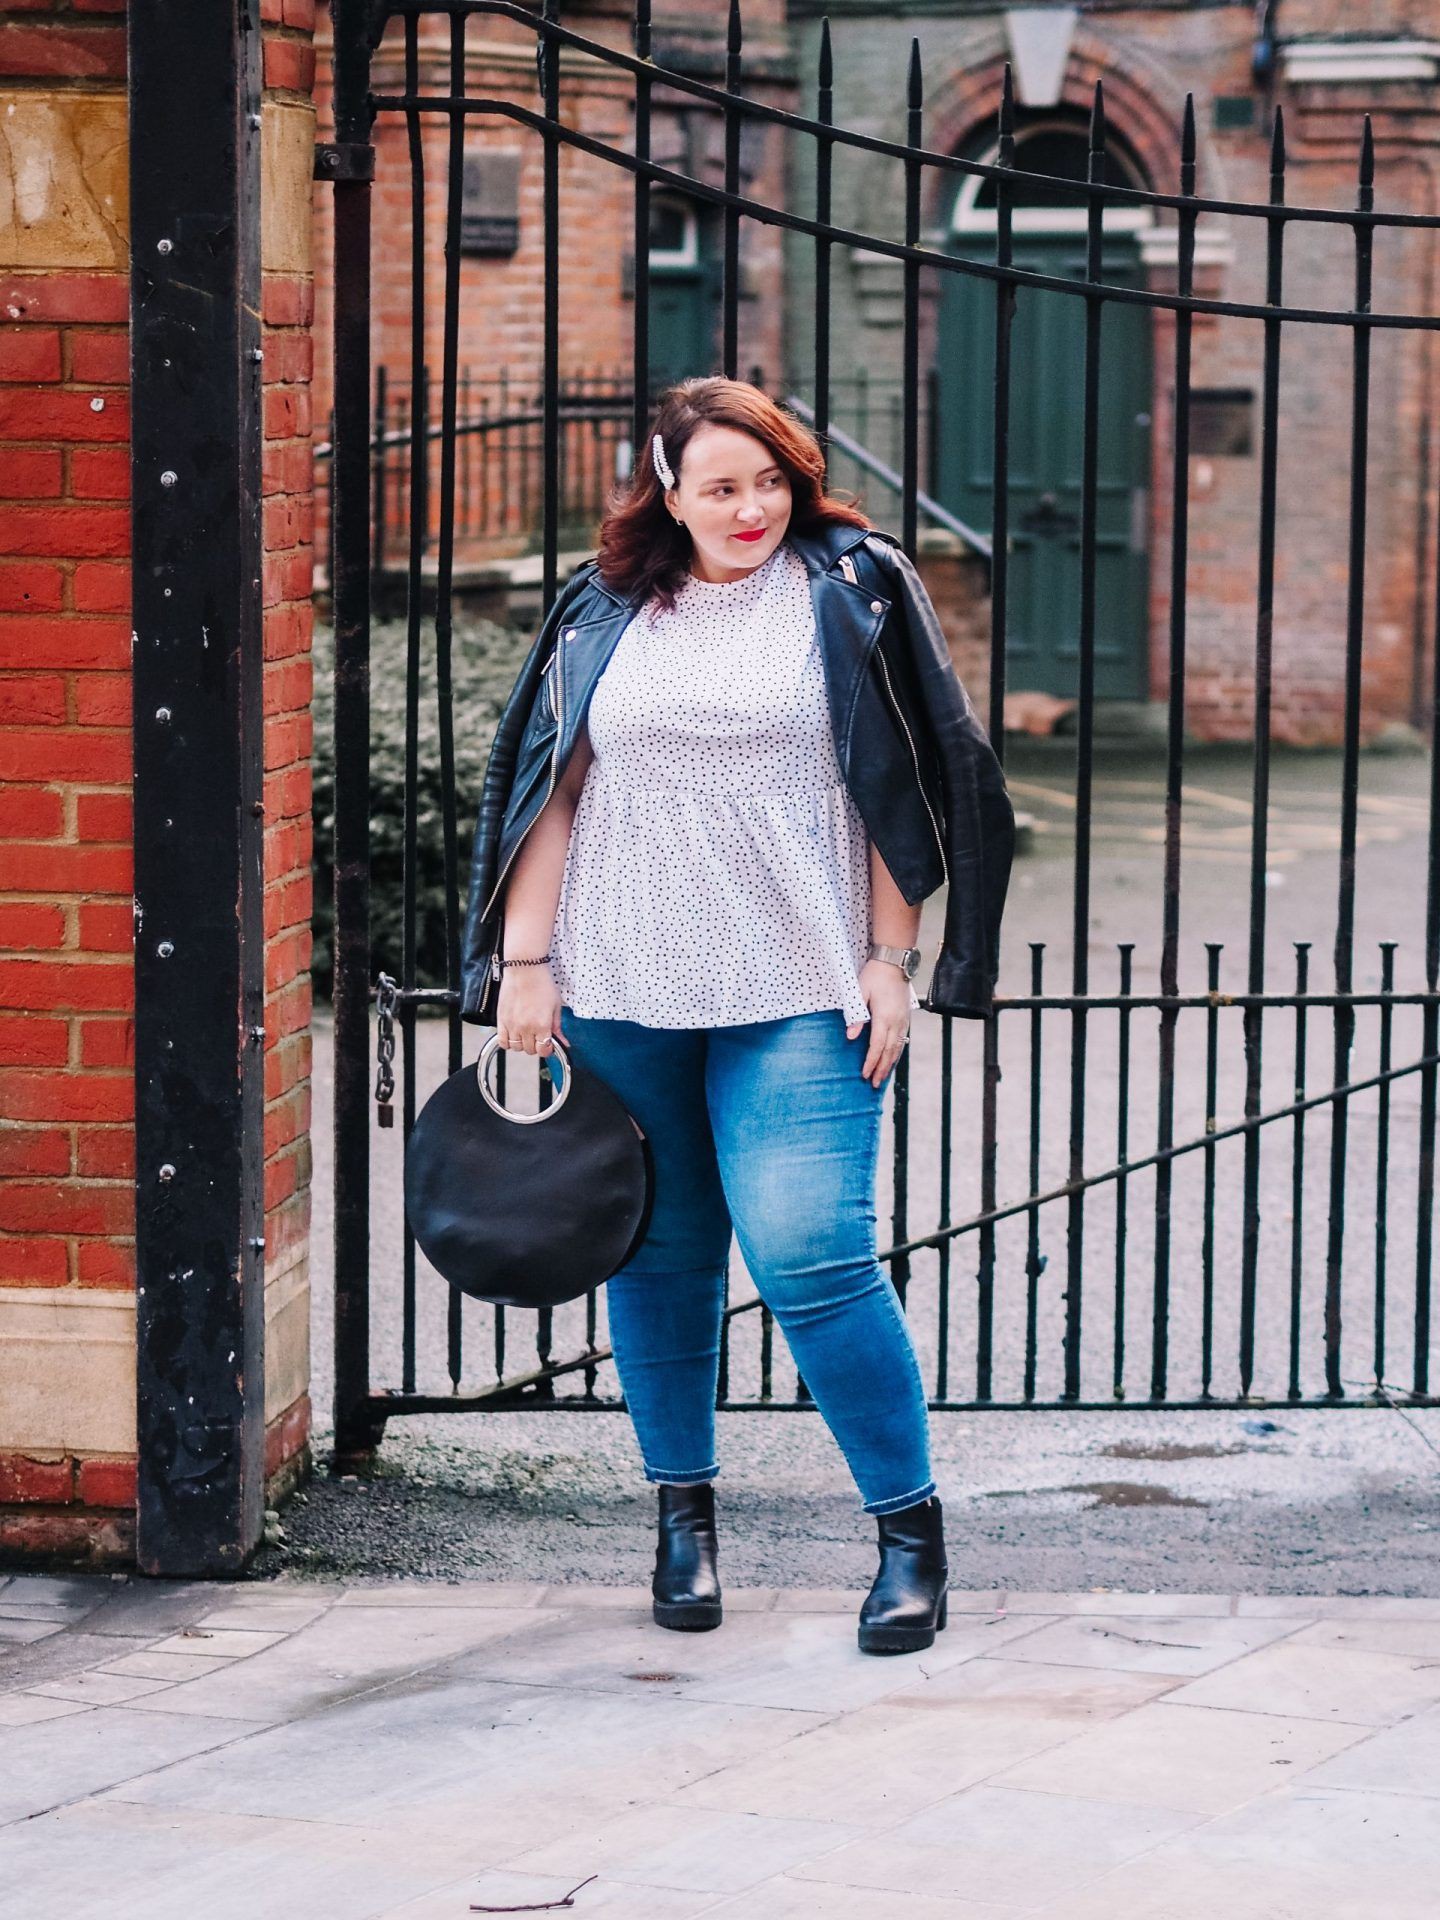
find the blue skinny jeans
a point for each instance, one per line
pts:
(768, 1129)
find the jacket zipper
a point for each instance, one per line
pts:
(558, 704)
(910, 738)
(847, 567)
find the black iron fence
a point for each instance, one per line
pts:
(501, 453)
(1089, 1230)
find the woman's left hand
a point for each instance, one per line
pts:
(886, 992)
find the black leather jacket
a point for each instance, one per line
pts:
(911, 748)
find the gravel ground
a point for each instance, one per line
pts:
(1290, 1501)
(1322, 1503)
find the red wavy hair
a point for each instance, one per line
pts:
(642, 549)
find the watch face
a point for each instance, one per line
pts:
(912, 963)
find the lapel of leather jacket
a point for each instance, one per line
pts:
(848, 619)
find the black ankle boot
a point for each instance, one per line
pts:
(686, 1586)
(906, 1603)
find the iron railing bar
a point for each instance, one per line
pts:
(640, 335)
(1084, 760)
(1203, 1141)
(1382, 1157)
(771, 215)
(999, 549)
(444, 599)
(1110, 1002)
(730, 235)
(1174, 754)
(1034, 1264)
(379, 501)
(1344, 1033)
(502, 1400)
(824, 177)
(606, 408)
(910, 306)
(909, 357)
(1214, 953)
(1114, 195)
(947, 1112)
(410, 852)
(1430, 1032)
(872, 463)
(1261, 730)
(1297, 1165)
(1122, 1154)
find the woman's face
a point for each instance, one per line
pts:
(734, 498)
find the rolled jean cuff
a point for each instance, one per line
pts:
(901, 1500)
(659, 1477)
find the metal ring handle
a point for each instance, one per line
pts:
(482, 1075)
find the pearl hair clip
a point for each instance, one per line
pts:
(662, 465)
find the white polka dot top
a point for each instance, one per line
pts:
(718, 869)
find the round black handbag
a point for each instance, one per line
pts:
(527, 1209)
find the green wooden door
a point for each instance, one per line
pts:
(683, 291)
(1046, 451)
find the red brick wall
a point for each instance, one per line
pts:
(66, 980)
(66, 976)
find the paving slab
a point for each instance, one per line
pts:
(346, 1652)
(1400, 1759)
(505, 1890)
(408, 1749)
(1304, 1852)
(55, 1761)
(1024, 1689)
(799, 1661)
(1155, 1606)
(997, 1844)
(1147, 1643)
(22, 1631)
(138, 1863)
(1195, 1759)
(787, 1899)
(1321, 1683)
(699, 1849)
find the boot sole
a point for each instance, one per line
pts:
(903, 1639)
(687, 1616)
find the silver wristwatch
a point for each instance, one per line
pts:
(906, 958)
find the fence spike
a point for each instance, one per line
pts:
(1367, 161)
(827, 57)
(1007, 109)
(1097, 121)
(733, 35)
(1277, 149)
(1187, 133)
(914, 90)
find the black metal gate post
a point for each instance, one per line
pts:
(350, 164)
(199, 948)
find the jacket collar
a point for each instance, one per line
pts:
(820, 547)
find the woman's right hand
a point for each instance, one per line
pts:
(527, 1010)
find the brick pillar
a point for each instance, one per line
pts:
(287, 167)
(67, 985)
(67, 1324)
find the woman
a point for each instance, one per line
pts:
(733, 766)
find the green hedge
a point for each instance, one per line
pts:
(486, 659)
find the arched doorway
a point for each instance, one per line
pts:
(1046, 419)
